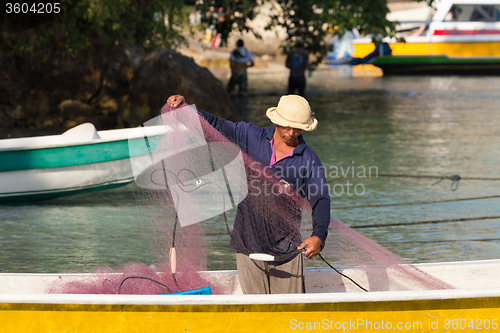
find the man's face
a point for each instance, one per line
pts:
(289, 135)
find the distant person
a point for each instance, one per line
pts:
(298, 62)
(208, 36)
(240, 60)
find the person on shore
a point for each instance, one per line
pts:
(281, 148)
(298, 61)
(240, 60)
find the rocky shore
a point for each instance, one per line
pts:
(115, 87)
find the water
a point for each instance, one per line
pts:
(438, 126)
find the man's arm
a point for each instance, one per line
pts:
(288, 62)
(225, 127)
(233, 66)
(250, 61)
(308, 63)
(319, 198)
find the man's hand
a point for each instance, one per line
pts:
(175, 100)
(313, 247)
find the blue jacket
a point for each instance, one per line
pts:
(303, 171)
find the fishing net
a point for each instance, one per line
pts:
(197, 183)
(371, 265)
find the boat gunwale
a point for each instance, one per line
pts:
(273, 299)
(101, 140)
(239, 299)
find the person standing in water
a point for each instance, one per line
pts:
(240, 60)
(298, 61)
(282, 149)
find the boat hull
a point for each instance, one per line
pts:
(39, 168)
(420, 48)
(43, 184)
(437, 311)
(24, 307)
(44, 173)
(437, 65)
(464, 31)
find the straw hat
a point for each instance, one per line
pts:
(293, 111)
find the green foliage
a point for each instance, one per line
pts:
(312, 21)
(309, 20)
(228, 15)
(107, 22)
(103, 22)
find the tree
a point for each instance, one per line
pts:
(228, 15)
(80, 23)
(309, 20)
(157, 23)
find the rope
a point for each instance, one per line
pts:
(390, 224)
(142, 278)
(417, 202)
(425, 222)
(326, 262)
(452, 177)
(335, 179)
(455, 179)
(445, 241)
(173, 246)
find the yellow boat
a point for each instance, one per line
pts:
(463, 37)
(339, 306)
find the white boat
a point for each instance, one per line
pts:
(79, 160)
(462, 37)
(332, 303)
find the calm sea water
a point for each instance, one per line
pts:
(374, 126)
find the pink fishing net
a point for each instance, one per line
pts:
(378, 268)
(191, 173)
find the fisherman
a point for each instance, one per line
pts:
(281, 148)
(240, 60)
(298, 61)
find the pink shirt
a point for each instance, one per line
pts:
(273, 155)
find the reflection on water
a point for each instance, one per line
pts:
(73, 234)
(438, 126)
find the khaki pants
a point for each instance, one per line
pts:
(258, 277)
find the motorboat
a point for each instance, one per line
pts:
(460, 37)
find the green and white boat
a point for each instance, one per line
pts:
(81, 159)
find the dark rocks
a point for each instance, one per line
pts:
(165, 72)
(112, 88)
